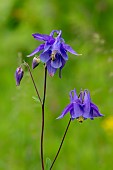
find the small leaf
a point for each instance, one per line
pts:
(35, 98)
(48, 164)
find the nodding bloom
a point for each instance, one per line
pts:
(18, 75)
(53, 51)
(35, 62)
(81, 107)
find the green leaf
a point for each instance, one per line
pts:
(35, 99)
(48, 164)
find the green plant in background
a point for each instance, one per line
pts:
(88, 27)
(54, 56)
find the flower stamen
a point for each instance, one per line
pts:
(53, 55)
(80, 119)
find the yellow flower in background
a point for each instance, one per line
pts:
(108, 124)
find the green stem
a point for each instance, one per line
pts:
(27, 65)
(61, 144)
(43, 110)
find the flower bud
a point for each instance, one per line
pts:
(35, 62)
(18, 75)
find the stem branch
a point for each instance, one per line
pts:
(61, 143)
(27, 65)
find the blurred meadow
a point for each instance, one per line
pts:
(88, 27)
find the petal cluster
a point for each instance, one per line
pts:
(53, 51)
(81, 107)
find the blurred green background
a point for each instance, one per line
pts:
(88, 27)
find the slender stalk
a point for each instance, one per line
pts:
(43, 110)
(45, 78)
(27, 65)
(61, 143)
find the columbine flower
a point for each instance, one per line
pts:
(81, 107)
(35, 62)
(18, 75)
(53, 51)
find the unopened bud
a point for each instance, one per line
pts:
(35, 62)
(18, 75)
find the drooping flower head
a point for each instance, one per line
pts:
(18, 75)
(35, 62)
(53, 51)
(81, 107)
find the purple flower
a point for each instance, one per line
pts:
(81, 107)
(18, 75)
(35, 62)
(53, 51)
